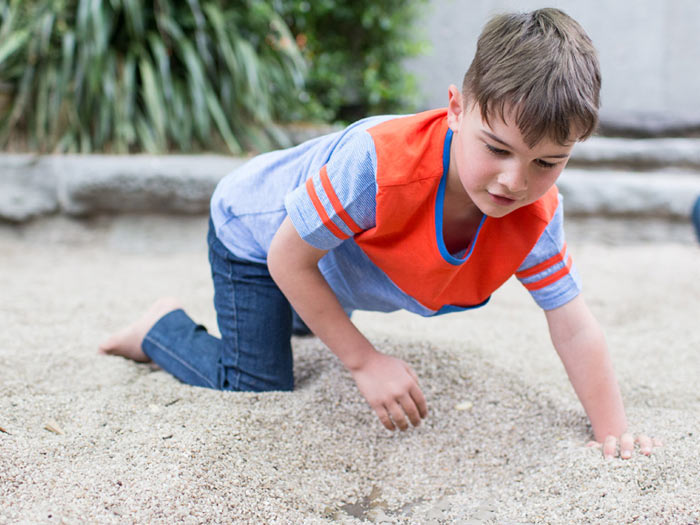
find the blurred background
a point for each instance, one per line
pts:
(649, 53)
(160, 76)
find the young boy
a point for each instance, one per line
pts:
(430, 212)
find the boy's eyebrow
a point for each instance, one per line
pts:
(494, 137)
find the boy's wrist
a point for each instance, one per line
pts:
(617, 427)
(356, 357)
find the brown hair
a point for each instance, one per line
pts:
(543, 66)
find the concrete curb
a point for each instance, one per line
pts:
(648, 125)
(660, 195)
(637, 154)
(80, 185)
(31, 186)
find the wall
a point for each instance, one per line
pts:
(649, 52)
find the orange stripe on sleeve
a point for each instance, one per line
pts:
(335, 201)
(327, 222)
(546, 281)
(556, 259)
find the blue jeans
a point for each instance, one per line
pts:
(254, 352)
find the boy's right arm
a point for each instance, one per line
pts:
(388, 384)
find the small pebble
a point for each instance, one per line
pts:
(464, 405)
(52, 426)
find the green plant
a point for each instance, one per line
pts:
(356, 52)
(190, 75)
(121, 75)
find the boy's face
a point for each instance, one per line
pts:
(496, 169)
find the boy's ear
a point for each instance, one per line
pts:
(455, 108)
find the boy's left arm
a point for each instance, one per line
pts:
(580, 343)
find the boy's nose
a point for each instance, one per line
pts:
(514, 180)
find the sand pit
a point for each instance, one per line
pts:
(504, 441)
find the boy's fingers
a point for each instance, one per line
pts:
(384, 418)
(409, 406)
(417, 394)
(609, 447)
(419, 400)
(627, 441)
(626, 445)
(645, 445)
(397, 414)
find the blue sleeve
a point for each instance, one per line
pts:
(548, 271)
(339, 200)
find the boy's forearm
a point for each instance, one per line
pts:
(297, 275)
(580, 343)
(317, 305)
(591, 373)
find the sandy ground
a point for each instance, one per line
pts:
(504, 441)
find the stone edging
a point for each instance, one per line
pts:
(661, 195)
(637, 154)
(32, 186)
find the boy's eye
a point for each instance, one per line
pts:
(544, 164)
(503, 152)
(497, 151)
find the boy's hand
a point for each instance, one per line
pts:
(391, 389)
(627, 441)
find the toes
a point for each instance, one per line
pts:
(108, 346)
(125, 344)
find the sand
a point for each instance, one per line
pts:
(94, 439)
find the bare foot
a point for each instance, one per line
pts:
(127, 342)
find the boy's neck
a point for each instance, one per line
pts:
(460, 217)
(458, 206)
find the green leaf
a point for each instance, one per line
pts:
(201, 38)
(14, 42)
(222, 123)
(129, 84)
(155, 105)
(134, 16)
(23, 94)
(9, 13)
(101, 26)
(45, 31)
(223, 38)
(161, 55)
(105, 111)
(146, 136)
(196, 83)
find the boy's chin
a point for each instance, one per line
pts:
(497, 212)
(497, 215)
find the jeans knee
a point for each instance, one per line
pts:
(234, 379)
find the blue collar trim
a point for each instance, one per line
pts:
(440, 204)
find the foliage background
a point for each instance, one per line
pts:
(355, 51)
(167, 75)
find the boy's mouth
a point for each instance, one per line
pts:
(501, 200)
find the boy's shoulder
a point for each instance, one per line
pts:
(410, 129)
(410, 147)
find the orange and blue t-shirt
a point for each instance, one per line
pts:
(372, 195)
